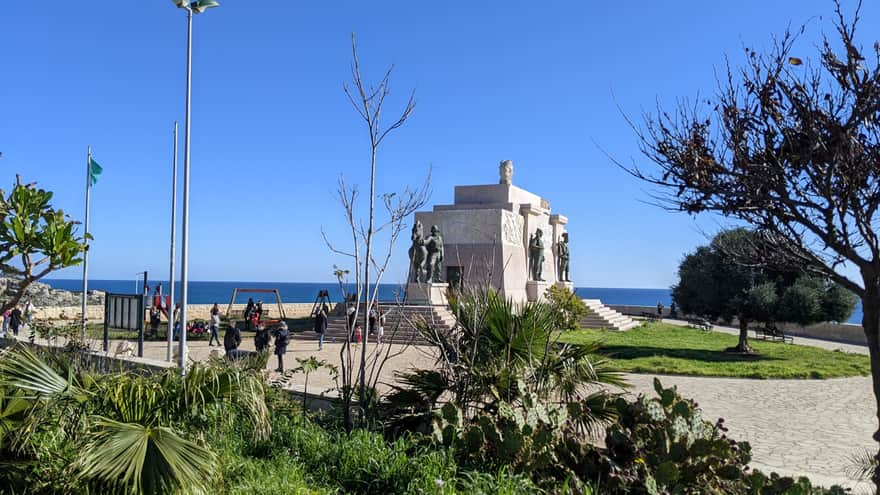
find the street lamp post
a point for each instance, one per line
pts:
(194, 7)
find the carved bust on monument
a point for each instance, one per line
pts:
(562, 258)
(536, 255)
(505, 172)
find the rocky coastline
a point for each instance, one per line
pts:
(42, 295)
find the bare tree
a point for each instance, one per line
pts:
(369, 265)
(792, 148)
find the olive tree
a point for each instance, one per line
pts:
(791, 146)
(715, 281)
(35, 238)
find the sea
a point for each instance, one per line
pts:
(205, 292)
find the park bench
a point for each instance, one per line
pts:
(772, 333)
(650, 316)
(699, 323)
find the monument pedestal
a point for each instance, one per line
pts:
(565, 285)
(426, 293)
(535, 290)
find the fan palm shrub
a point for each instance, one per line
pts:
(496, 345)
(127, 431)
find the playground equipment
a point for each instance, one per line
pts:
(237, 290)
(323, 299)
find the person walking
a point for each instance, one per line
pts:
(232, 338)
(28, 312)
(175, 317)
(659, 309)
(261, 339)
(215, 325)
(282, 337)
(351, 316)
(15, 320)
(372, 321)
(380, 329)
(248, 312)
(321, 326)
(6, 315)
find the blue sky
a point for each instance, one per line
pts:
(541, 83)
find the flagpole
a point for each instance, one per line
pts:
(171, 264)
(85, 287)
(184, 227)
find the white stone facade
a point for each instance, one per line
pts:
(486, 233)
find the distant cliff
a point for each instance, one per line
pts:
(42, 295)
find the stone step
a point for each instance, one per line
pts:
(601, 316)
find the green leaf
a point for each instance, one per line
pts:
(666, 473)
(145, 460)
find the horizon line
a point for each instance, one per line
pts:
(309, 282)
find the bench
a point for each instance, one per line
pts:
(772, 333)
(700, 323)
(648, 315)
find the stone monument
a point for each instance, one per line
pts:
(495, 234)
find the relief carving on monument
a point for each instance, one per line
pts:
(511, 228)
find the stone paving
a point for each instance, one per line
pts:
(795, 427)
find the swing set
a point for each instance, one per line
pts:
(239, 290)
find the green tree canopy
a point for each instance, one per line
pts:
(35, 238)
(717, 282)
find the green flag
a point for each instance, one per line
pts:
(94, 171)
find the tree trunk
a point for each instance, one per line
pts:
(16, 298)
(871, 325)
(743, 345)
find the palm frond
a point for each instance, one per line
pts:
(21, 369)
(145, 460)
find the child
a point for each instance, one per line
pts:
(358, 334)
(154, 321)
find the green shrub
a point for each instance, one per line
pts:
(358, 462)
(499, 483)
(569, 308)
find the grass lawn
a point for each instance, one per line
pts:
(668, 349)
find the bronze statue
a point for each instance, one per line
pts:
(434, 246)
(562, 257)
(536, 255)
(418, 253)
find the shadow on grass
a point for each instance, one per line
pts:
(620, 352)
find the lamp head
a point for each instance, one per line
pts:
(199, 6)
(181, 4)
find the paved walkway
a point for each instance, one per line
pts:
(795, 427)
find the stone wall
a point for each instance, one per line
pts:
(835, 332)
(196, 311)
